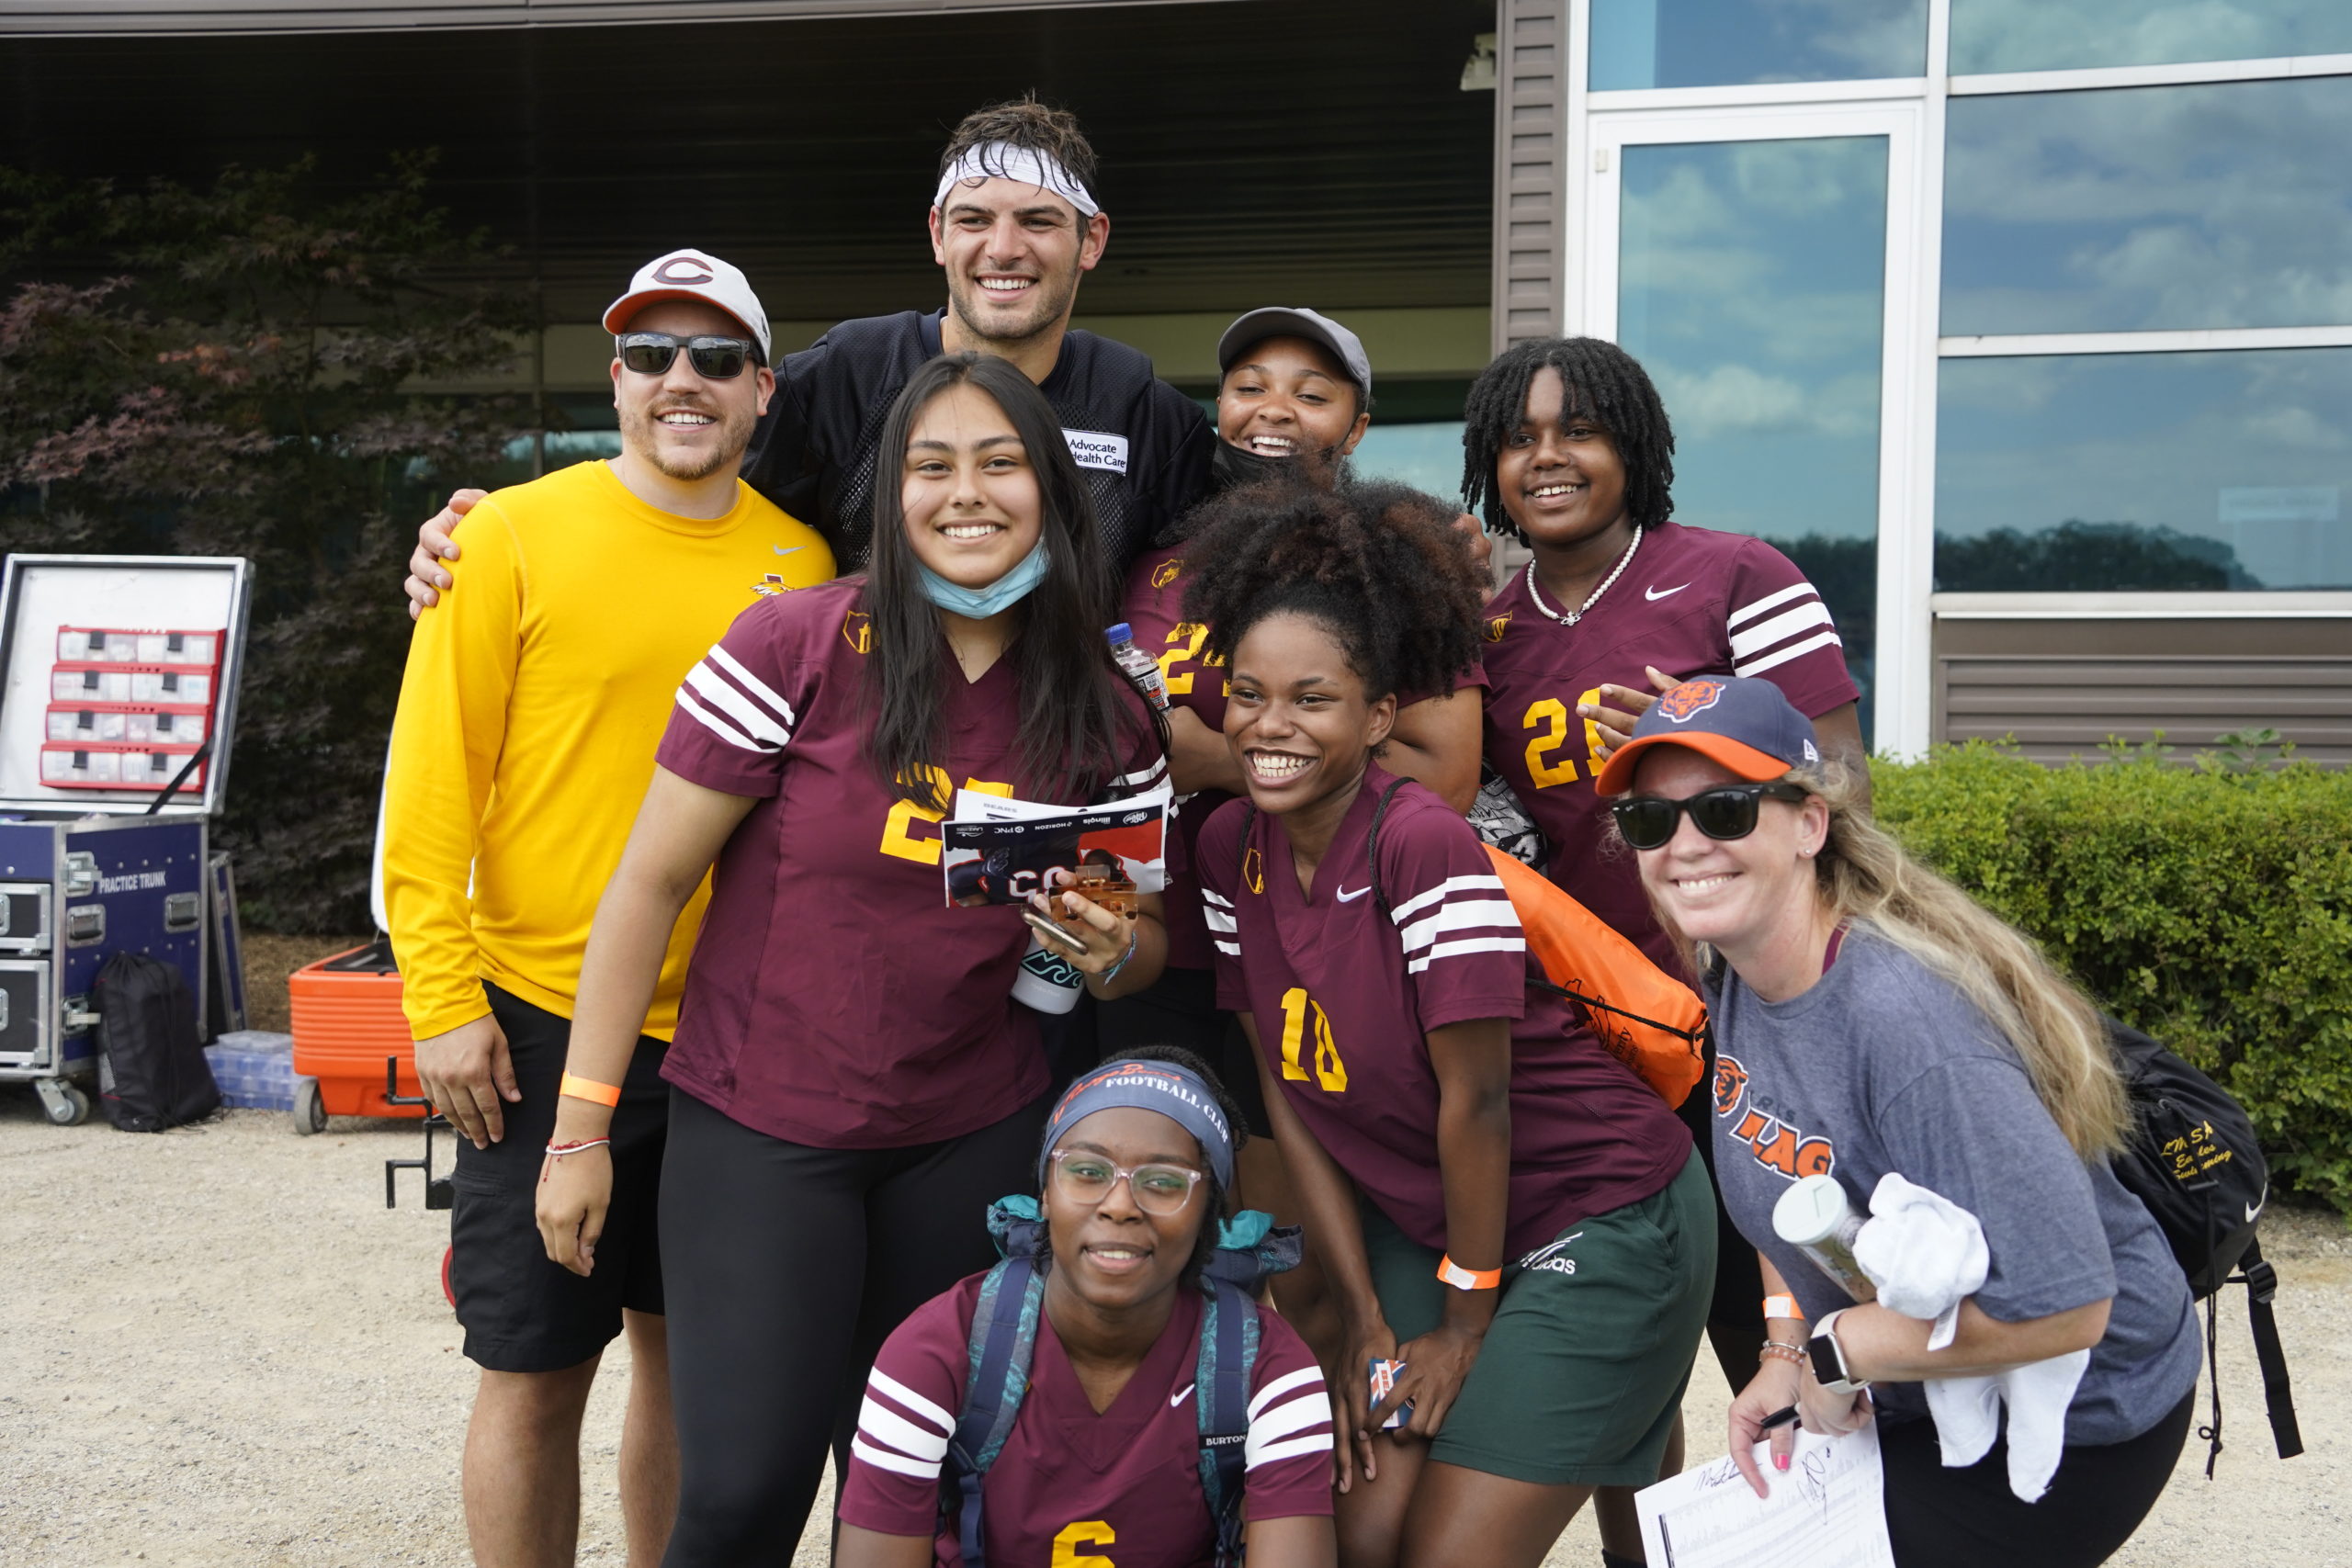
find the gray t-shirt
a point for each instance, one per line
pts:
(1884, 1066)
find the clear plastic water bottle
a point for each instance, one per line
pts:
(1140, 666)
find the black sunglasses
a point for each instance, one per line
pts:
(714, 358)
(1728, 811)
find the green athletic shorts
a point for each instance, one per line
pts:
(1582, 1373)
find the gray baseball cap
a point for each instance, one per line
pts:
(1285, 320)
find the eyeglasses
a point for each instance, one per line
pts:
(1157, 1188)
(1728, 811)
(714, 358)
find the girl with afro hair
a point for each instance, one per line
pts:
(1495, 1203)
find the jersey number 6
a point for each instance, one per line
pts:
(1329, 1071)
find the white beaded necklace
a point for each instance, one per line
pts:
(1573, 616)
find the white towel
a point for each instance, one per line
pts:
(1927, 1254)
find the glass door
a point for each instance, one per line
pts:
(1757, 262)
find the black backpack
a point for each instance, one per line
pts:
(152, 1071)
(2194, 1162)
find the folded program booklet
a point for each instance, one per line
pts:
(1000, 850)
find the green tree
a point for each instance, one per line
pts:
(231, 371)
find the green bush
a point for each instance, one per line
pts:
(2209, 906)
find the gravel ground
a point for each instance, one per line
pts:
(228, 1352)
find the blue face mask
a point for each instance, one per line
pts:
(980, 603)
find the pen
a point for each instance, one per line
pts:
(1779, 1417)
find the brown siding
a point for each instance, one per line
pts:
(2063, 688)
(1531, 176)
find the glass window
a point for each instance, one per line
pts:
(1713, 43)
(2149, 209)
(1427, 456)
(2145, 472)
(2064, 35)
(1751, 284)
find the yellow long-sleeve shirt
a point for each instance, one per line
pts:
(535, 696)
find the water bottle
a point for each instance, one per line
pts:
(1814, 1217)
(1048, 981)
(1141, 667)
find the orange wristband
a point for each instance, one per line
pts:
(591, 1090)
(1783, 1306)
(1463, 1278)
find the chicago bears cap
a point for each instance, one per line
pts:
(692, 275)
(1285, 321)
(1748, 726)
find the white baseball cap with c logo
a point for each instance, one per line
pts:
(692, 275)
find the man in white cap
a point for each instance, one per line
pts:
(524, 740)
(1015, 226)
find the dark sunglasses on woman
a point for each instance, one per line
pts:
(1727, 811)
(714, 358)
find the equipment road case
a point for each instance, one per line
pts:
(89, 872)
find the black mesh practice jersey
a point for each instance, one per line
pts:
(1142, 446)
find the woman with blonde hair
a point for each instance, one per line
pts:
(1872, 1019)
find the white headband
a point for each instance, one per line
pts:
(1003, 160)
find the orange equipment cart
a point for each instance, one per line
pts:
(347, 1020)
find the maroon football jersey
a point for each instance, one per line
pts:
(834, 996)
(1693, 601)
(1155, 613)
(1345, 995)
(1072, 1485)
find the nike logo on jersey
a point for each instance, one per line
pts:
(1179, 1397)
(1347, 898)
(1654, 594)
(789, 550)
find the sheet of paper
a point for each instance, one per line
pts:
(971, 805)
(1826, 1510)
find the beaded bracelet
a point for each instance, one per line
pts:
(1775, 1351)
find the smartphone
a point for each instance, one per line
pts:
(1383, 1382)
(1047, 928)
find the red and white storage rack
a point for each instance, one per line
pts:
(130, 706)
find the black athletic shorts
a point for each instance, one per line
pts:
(1180, 1008)
(523, 1313)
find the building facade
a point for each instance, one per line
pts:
(2024, 325)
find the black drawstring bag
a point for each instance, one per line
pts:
(152, 1071)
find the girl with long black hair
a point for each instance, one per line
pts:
(850, 1069)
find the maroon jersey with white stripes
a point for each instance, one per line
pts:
(1692, 602)
(1071, 1486)
(1345, 994)
(835, 998)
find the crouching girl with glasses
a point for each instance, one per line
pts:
(1110, 1304)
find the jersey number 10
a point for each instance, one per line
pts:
(1329, 1071)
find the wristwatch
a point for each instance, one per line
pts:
(1829, 1361)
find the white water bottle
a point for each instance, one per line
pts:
(1814, 1217)
(1140, 666)
(1047, 982)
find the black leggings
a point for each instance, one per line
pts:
(786, 1266)
(1969, 1518)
